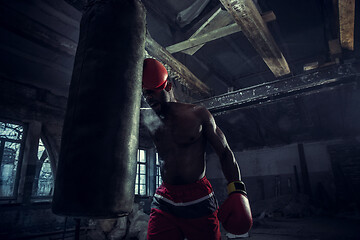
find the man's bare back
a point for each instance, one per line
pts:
(180, 143)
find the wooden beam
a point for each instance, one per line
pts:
(199, 41)
(24, 26)
(346, 21)
(324, 79)
(46, 62)
(36, 32)
(219, 18)
(254, 28)
(160, 53)
(216, 19)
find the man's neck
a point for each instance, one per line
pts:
(165, 108)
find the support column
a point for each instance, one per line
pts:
(304, 171)
(30, 159)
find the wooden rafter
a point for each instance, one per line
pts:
(160, 53)
(346, 22)
(195, 42)
(254, 28)
(24, 26)
(218, 19)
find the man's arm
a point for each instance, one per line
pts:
(234, 213)
(218, 141)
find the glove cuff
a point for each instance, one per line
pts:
(236, 187)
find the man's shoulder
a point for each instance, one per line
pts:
(187, 108)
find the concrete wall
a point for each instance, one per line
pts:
(270, 172)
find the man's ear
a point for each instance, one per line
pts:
(168, 86)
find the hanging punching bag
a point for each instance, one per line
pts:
(97, 161)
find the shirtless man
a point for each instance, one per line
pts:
(184, 206)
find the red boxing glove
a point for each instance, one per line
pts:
(235, 213)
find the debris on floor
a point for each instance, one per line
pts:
(133, 226)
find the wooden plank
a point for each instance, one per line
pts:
(215, 15)
(160, 53)
(199, 41)
(219, 18)
(347, 21)
(211, 36)
(254, 28)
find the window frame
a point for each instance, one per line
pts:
(137, 176)
(20, 160)
(158, 179)
(35, 198)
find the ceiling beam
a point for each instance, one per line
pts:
(40, 34)
(298, 85)
(196, 41)
(29, 29)
(207, 37)
(46, 62)
(346, 22)
(218, 18)
(160, 53)
(254, 28)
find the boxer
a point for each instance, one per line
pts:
(184, 206)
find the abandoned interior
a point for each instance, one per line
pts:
(281, 79)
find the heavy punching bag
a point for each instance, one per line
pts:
(97, 161)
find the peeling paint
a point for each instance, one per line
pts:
(303, 84)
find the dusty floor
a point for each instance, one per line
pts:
(312, 228)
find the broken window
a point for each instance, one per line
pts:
(44, 180)
(140, 181)
(11, 139)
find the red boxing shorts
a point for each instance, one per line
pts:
(180, 211)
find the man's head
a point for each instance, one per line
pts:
(156, 88)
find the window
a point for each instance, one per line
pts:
(140, 181)
(44, 181)
(158, 179)
(11, 145)
(11, 136)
